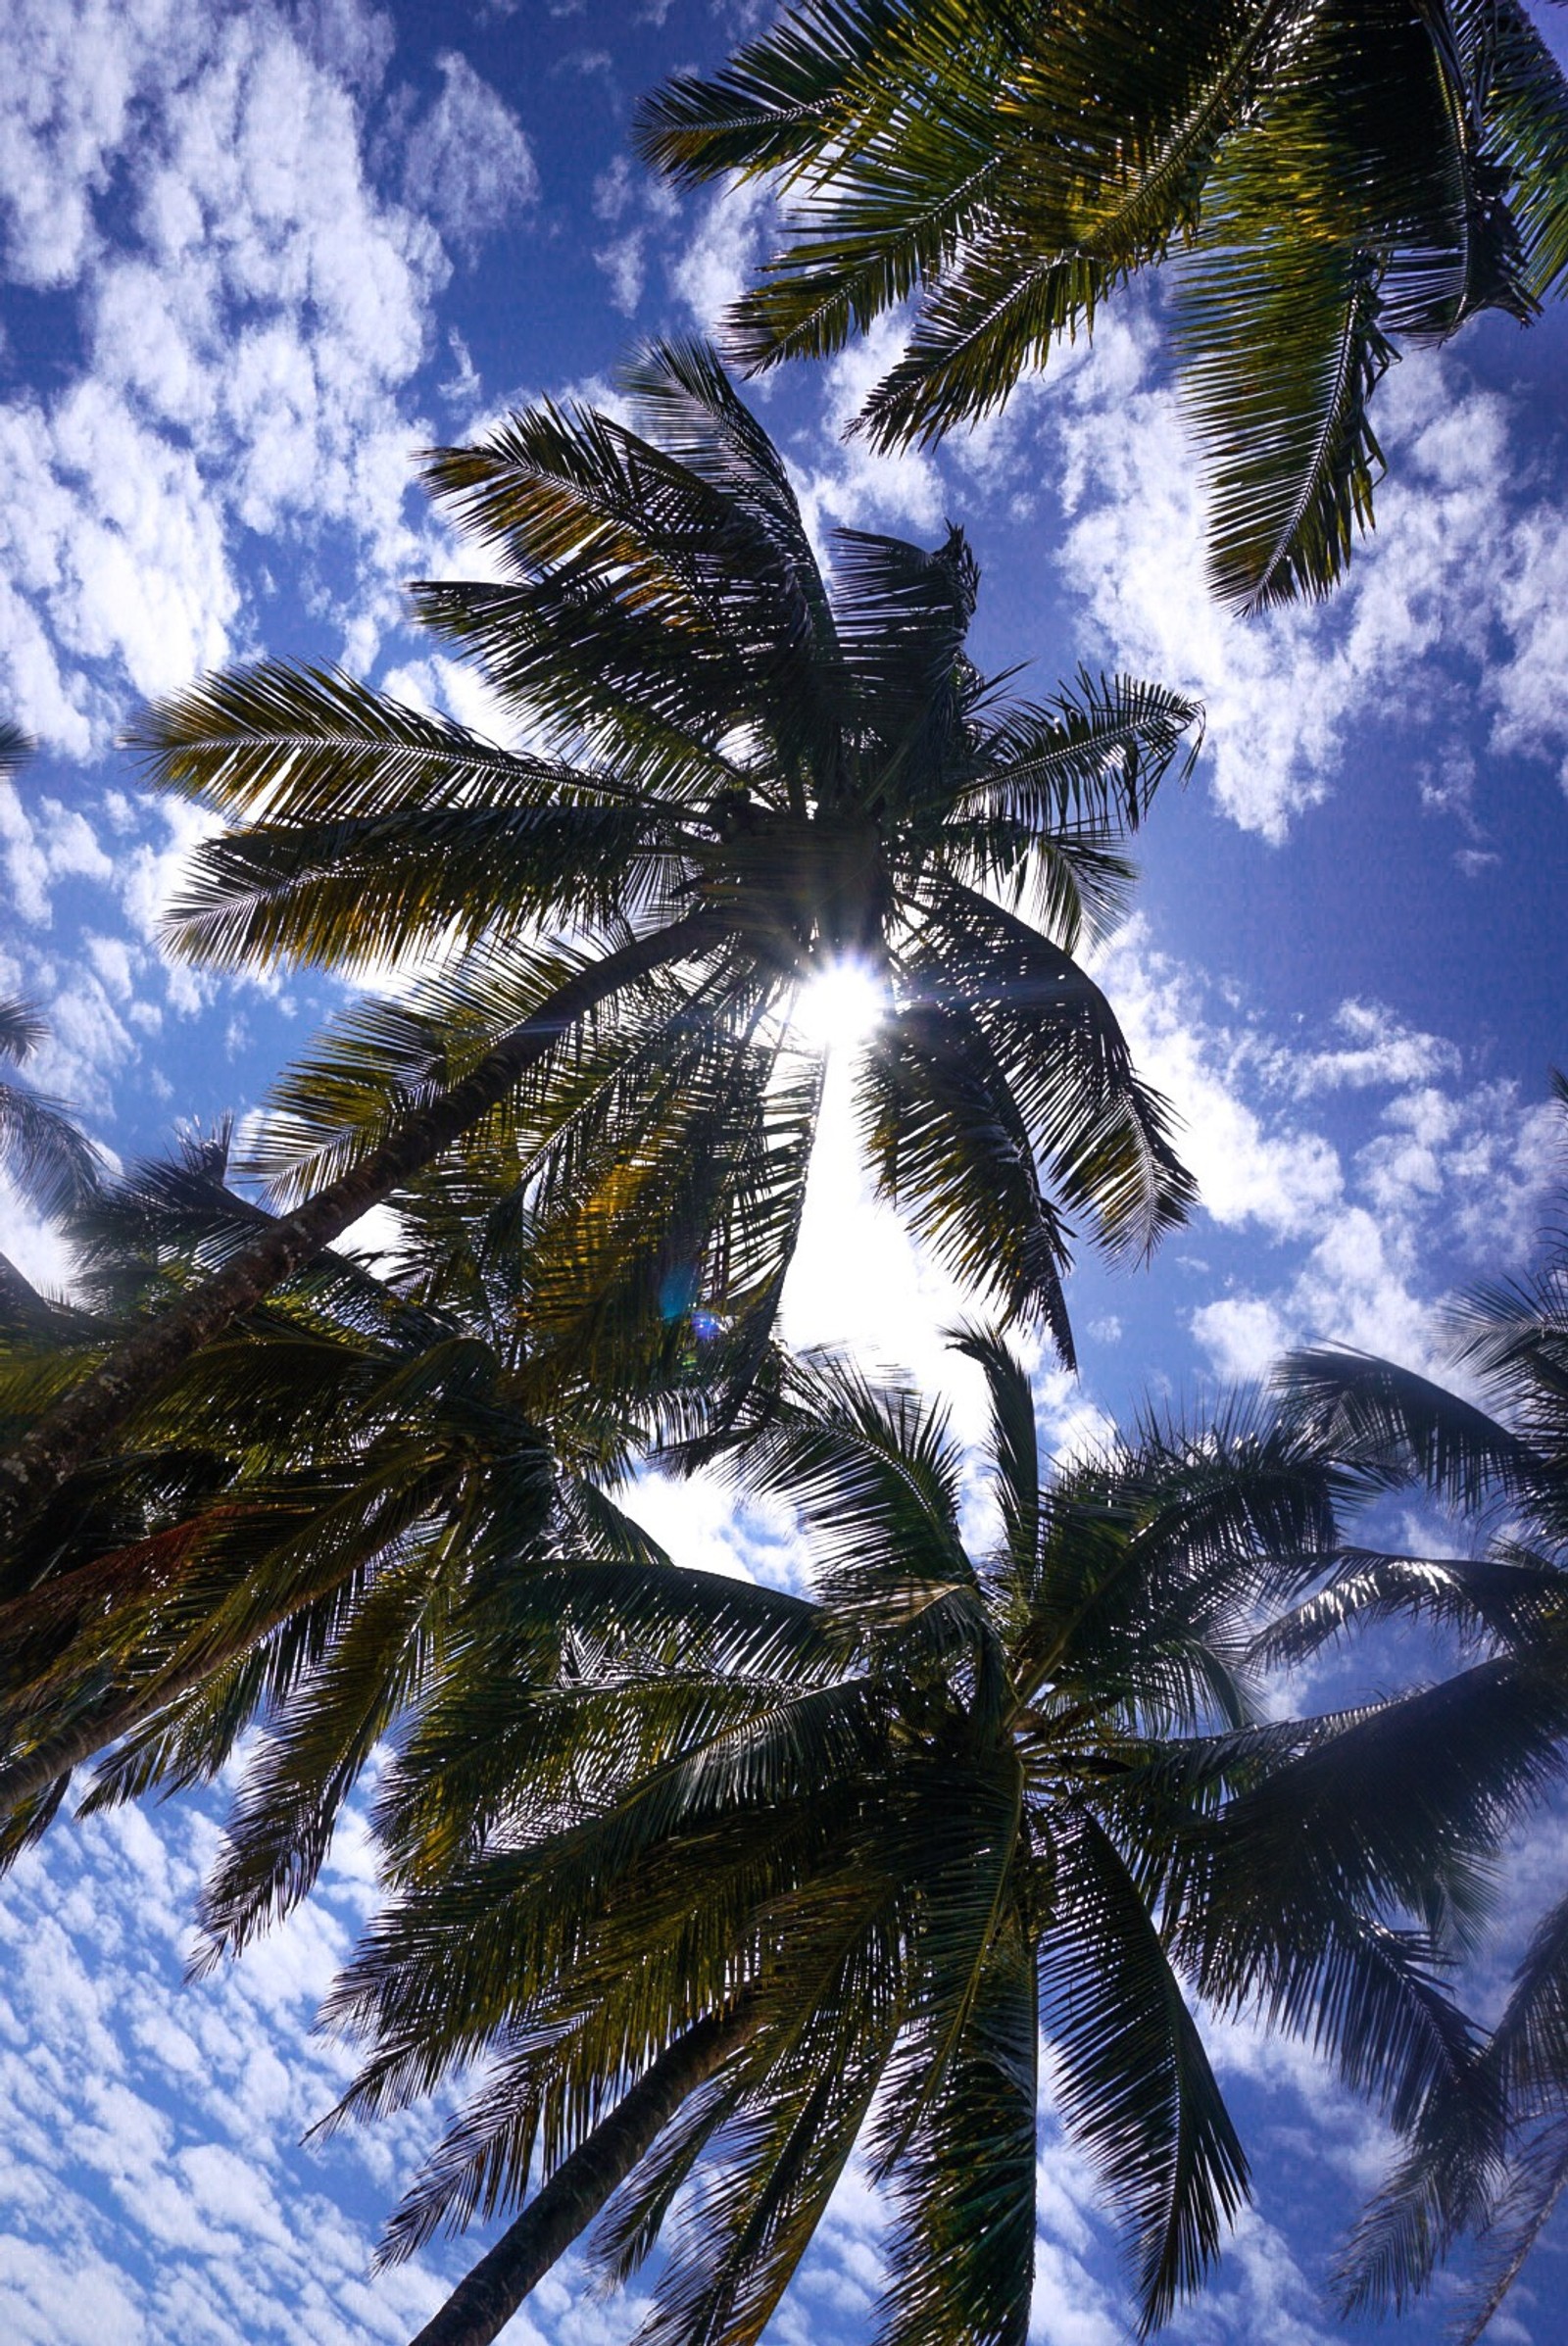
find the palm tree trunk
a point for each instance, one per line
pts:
(66, 1439)
(481, 2304)
(66, 1752)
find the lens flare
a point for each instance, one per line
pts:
(840, 1005)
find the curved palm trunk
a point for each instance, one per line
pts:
(65, 1440)
(481, 2304)
(72, 1746)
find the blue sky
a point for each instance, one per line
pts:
(255, 258)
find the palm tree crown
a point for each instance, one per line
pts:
(816, 766)
(1329, 175)
(742, 774)
(827, 1869)
(300, 1522)
(43, 1152)
(1491, 2154)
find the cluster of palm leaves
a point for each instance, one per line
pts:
(743, 777)
(300, 1517)
(823, 1872)
(727, 1884)
(723, 1881)
(1490, 2155)
(1327, 177)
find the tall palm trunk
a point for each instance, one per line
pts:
(66, 1439)
(481, 2304)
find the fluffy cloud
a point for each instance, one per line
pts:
(175, 2112)
(720, 254)
(468, 162)
(252, 313)
(1467, 555)
(1367, 1226)
(1376, 1047)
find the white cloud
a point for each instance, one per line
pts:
(1434, 1179)
(230, 2231)
(253, 313)
(1244, 1336)
(244, 358)
(647, 207)
(622, 262)
(717, 259)
(467, 162)
(33, 1245)
(859, 1279)
(847, 481)
(1377, 1049)
(1461, 556)
(1251, 1169)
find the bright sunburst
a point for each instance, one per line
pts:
(842, 1003)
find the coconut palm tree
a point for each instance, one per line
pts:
(737, 775)
(305, 1517)
(724, 1880)
(43, 1152)
(1489, 2158)
(1325, 178)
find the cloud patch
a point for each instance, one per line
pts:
(467, 164)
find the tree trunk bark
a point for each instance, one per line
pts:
(480, 2306)
(65, 1440)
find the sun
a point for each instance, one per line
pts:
(841, 1003)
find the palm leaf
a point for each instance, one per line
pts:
(1135, 2083)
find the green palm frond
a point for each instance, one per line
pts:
(1399, 1806)
(1284, 354)
(23, 1028)
(315, 746)
(1528, 114)
(281, 1825)
(1103, 1135)
(1013, 1452)
(15, 747)
(951, 1149)
(1137, 2087)
(42, 1149)
(1510, 1602)
(964, 2249)
(1318, 178)
(1470, 2166)
(1396, 1427)
(875, 1476)
(1094, 753)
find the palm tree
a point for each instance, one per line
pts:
(1489, 2158)
(304, 1520)
(1327, 177)
(741, 776)
(724, 1880)
(42, 1149)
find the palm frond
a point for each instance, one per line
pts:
(1135, 2083)
(1394, 1427)
(962, 2252)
